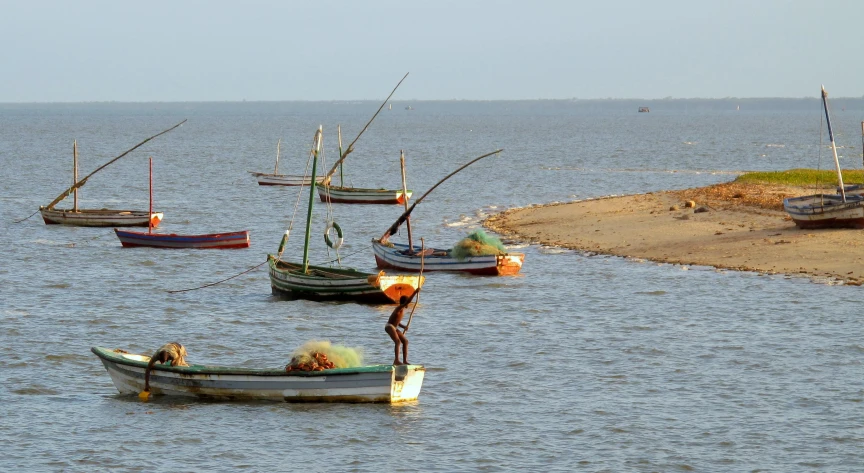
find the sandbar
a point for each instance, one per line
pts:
(729, 226)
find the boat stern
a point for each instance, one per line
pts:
(510, 263)
(394, 287)
(406, 384)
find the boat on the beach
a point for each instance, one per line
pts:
(98, 217)
(412, 258)
(304, 281)
(373, 383)
(276, 179)
(343, 194)
(229, 240)
(839, 210)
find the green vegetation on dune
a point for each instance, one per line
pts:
(801, 177)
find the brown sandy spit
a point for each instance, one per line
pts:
(732, 226)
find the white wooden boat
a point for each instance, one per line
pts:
(416, 259)
(355, 195)
(375, 383)
(304, 281)
(397, 256)
(276, 179)
(228, 240)
(827, 210)
(265, 179)
(99, 217)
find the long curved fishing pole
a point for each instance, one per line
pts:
(350, 148)
(393, 228)
(417, 301)
(83, 181)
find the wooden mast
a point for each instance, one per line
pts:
(150, 215)
(341, 174)
(276, 169)
(311, 199)
(75, 173)
(862, 142)
(833, 146)
(405, 199)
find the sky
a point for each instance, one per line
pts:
(273, 50)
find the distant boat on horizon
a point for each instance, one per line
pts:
(643, 109)
(408, 107)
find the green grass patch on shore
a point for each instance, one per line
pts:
(801, 177)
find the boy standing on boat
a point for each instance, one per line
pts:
(392, 329)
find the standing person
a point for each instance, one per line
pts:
(392, 329)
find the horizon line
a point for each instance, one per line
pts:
(572, 99)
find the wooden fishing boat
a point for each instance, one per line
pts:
(827, 210)
(375, 383)
(276, 179)
(304, 281)
(397, 256)
(414, 259)
(343, 194)
(228, 240)
(354, 195)
(101, 217)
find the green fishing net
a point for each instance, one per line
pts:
(478, 243)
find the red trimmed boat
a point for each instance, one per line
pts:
(172, 240)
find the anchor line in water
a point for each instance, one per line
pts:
(218, 282)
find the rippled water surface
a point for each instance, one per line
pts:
(579, 363)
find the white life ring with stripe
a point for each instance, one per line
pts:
(339, 240)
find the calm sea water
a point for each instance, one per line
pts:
(579, 363)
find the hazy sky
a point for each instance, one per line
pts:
(71, 51)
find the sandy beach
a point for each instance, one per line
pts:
(730, 226)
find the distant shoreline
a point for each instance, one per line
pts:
(806, 103)
(731, 234)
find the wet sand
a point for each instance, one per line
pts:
(731, 226)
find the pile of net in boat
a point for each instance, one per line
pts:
(320, 355)
(478, 243)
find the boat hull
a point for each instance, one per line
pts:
(205, 241)
(353, 195)
(101, 218)
(265, 179)
(288, 280)
(826, 211)
(376, 383)
(395, 257)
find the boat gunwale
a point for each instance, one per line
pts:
(118, 358)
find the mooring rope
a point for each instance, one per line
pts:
(218, 282)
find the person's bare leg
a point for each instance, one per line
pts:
(396, 337)
(404, 348)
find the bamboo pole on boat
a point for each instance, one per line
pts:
(341, 174)
(83, 181)
(862, 143)
(833, 146)
(150, 215)
(311, 199)
(417, 293)
(350, 148)
(393, 228)
(75, 173)
(276, 169)
(405, 200)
